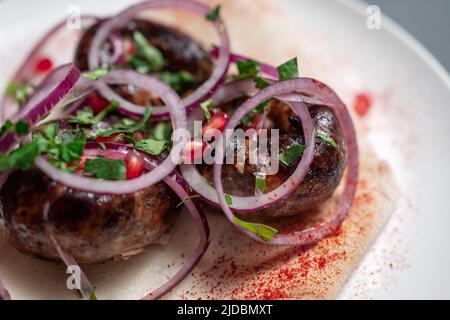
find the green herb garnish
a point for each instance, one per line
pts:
(260, 83)
(105, 169)
(229, 199)
(162, 132)
(206, 107)
(214, 14)
(125, 128)
(291, 154)
(263, 231)
(20, 92)
(179, 81)
(92, 296)
(86, 115)
(248, 119)
(247, 69)
(62, 150)
(147, 58)
(22, 158)
(154, 147)
(96, 74)
(21, 128)
(261, 184)
(288, 70)
(328, 139)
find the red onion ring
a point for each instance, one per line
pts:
(43, 101)
(333, 221)
(201, 93)
(178, 117)
(86, 288)
(25, 68)
(117, 46)
(4, 294)
(176, 182)
(259, 202)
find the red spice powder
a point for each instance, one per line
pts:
(362, 104)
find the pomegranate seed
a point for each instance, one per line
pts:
(135, 164)
(43, 66)
(194, 150)
(362, 104)
(129, 47)
(114, 138)
(218, 121)
(97, 102)
(80, 164)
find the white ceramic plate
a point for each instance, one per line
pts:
(408, 126)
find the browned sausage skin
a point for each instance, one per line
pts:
(90, 227)
(93, 227)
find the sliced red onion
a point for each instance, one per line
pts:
(176, 182)
(259, 202)
(120, 21)
(86, 288)
(4, 294)
(43, 101)
(118, 55)
(26, 68)
(333, 221)
(178, 118)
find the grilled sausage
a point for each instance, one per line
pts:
(90, 227)
(322, 178)
(93, 227)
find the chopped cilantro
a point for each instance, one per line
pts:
(260, 83)
(105, 169)
(162, 132)
(247, 120)
(179, 81)
(147, 58)
(247, 69)
(20, 92)
(229, 199)
(22, 158)
(62, 149)
(214, 14)
(291, 154)
(6, 127)
(288, 70)
(154, 147)
(83, 117)
(126, 128)
(72, 151)
(261, 184)
(86, 115)
(92, 296)
(22, 128)
(206, 106)
(328, 139)
(96, 74)
(187, 198)
(265, 232)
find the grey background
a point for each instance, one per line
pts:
(427, 20)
